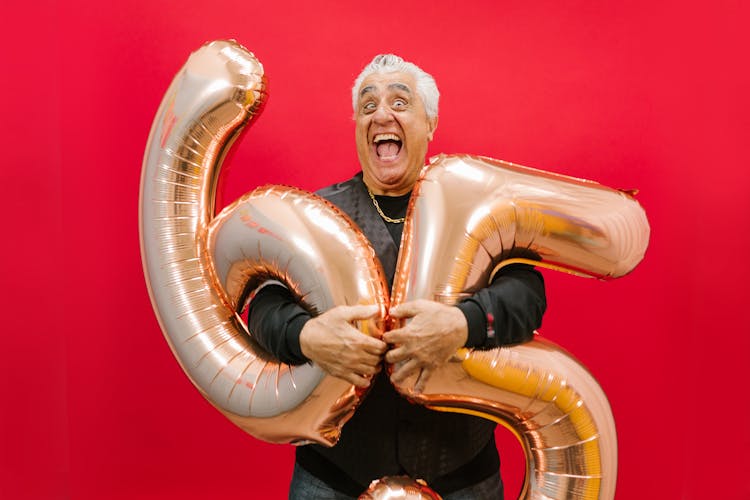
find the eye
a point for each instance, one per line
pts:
(399, 103)
(368, 107)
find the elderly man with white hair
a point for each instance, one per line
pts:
(396, 115)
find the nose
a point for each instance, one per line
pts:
(382, 114)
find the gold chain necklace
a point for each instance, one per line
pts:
(377, 207)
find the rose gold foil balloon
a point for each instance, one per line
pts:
(470, 215)
(399, 488)
(196, 268)
(295, 238)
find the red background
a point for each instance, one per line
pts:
(647, 95)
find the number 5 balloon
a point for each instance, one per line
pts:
(467, 217)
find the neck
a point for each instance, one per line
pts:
(397, 220)
(404, 186)
(388, 192)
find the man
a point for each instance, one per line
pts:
(395, 110)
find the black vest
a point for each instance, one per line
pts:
(388, 435)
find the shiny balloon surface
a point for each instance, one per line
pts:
(399, 488)
(197, 266)
(467, 217)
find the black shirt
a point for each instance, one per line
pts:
(512, 305)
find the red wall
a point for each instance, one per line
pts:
(651, 96)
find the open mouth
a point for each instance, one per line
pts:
(387, 146)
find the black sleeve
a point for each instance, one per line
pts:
(275, 321)
(508, 311)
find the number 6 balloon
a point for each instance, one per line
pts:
(468, 216)
(197, 267)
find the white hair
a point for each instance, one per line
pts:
(390, 63)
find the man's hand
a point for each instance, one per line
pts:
(433, 335)
(339, 348)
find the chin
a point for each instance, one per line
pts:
(393, 182)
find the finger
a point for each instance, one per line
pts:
(396, 355)
(364, 347)
(373, 346)
(366, 370)
(403, 371)
(405, 310)
(352, 313)
(398, 336)
(424, 376)
(366, 360)
(356, 379)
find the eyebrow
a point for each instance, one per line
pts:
(399, 86)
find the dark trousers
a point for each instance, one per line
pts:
(305, 486)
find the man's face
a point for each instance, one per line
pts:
(392, 132)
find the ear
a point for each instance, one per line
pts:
(432, 124)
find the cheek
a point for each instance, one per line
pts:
(359, 131)
(361, 142)
(360, 137)
(418, 141)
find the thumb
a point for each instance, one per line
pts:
(405, 310)
(361, 312)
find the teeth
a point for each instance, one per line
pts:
(386, 137)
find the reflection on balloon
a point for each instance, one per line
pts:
(399, 488)
(452, 245)
(195, 267)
